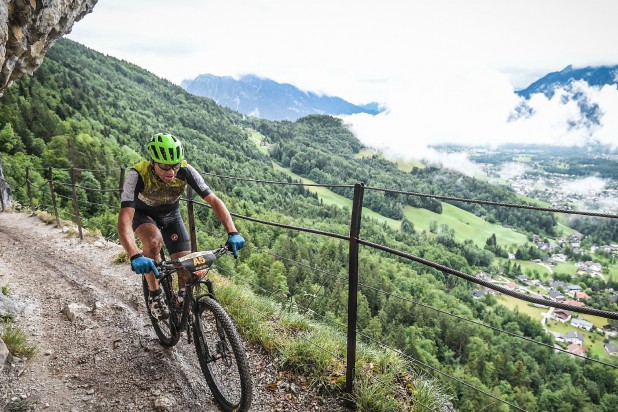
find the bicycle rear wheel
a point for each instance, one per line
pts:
(222, 356)
(168, 330)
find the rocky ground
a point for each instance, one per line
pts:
(96, 349)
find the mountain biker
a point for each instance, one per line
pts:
(150, 208)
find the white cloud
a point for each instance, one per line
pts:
(586, 186)
(445, 69)
(476, 111)
(511, 170)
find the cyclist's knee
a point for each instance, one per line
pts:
(153, 246)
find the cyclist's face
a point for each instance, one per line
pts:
(166, 172)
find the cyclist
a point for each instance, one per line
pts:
(150, 210)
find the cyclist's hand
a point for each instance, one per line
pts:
(142, 264)
(235, 242)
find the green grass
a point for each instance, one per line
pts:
(465, 224)
(563, 229)
(529, 266)
(258, 139)
(563, 328)
(566, 268)
(318, 352)
(612, 268)
(522, 306)
(17, 342)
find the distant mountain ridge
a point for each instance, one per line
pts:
(267, 99)
(591, 114)
(594, 76)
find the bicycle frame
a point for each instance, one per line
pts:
(218, 345)
(194, 263)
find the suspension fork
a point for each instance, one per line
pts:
(211, 290)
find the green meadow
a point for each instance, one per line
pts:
(465, 224)
(521, 306)
(592, 341)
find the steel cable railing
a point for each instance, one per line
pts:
(338, 326)
(514, 335)
(490, 203)
(386, 249)
(590, 311)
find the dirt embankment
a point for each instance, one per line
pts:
(96, 348)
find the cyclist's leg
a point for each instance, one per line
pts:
(177, 242)
(147, 232)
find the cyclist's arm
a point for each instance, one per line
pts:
(221, 212)
(132, 186)
(125, 231)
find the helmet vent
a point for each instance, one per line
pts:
(165, 148)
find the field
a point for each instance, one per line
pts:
(523, 307)
(466, 225)
(528, 267)
(592, 340)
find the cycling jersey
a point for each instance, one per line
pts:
(145, 192)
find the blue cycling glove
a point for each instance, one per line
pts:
(142, 265)
(235, 242)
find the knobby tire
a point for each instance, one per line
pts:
(227, 372)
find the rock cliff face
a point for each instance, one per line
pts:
(28, 28)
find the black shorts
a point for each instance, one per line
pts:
(172, 229)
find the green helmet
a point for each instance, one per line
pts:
(165, 148)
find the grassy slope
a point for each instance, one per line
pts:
(465, 224)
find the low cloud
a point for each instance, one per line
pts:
(481, 108)
(586, 186)
(511, 170)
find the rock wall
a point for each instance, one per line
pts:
(28, 28)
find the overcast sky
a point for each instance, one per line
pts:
(446, 70)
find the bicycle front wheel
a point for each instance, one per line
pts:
(222, 356)
(168, 330)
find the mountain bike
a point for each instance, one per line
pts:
(219, 348)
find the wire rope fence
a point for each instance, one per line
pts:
(69, 197)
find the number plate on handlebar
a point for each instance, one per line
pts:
(197, 260)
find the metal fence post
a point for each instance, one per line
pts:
(29, 189)
(2, 201)
(76, 204)
(53, 197)
(191, 214)
(357, 207)
(121, 183)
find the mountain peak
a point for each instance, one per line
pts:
(262, 97)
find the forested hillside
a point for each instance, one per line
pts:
(82, 109)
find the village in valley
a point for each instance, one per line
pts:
(571, 270)
(578, 334)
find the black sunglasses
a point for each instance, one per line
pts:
(167, 167)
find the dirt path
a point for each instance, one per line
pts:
(103, 355)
